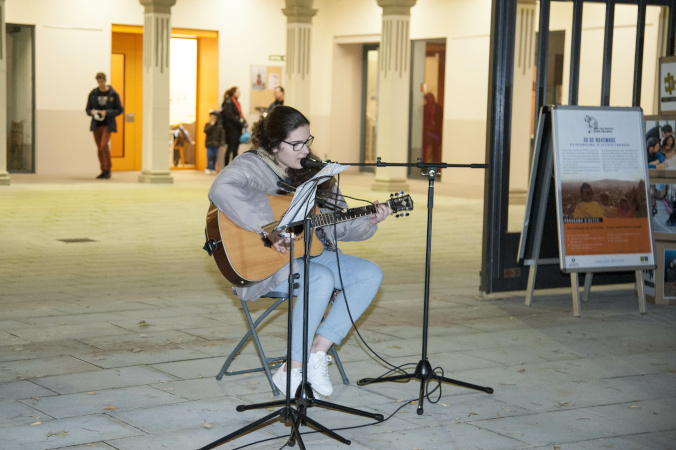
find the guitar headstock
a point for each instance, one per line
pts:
(400, 202)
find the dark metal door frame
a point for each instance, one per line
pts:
(500, 247)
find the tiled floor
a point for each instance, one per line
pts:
(114, 340)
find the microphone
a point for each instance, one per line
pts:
(308, 163)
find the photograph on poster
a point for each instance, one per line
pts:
(662, 203)
(661, 145)
(273, 80)
(670, 273)
(258, 77)
(649, 283)
(620, 199)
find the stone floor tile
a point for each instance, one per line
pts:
(452, 436)
(35, 334)
(196, 368)
(126, 358)
(78, 430)
(38, 368)
(194, 438)
(103, 379)
(180, 416)
(142, 340)
(210, 387)
(101, 401)
(16, 413)
(43, 349)
(22, 389)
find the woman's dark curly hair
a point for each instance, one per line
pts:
(269, 132)
(229, 93)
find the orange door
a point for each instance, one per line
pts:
(127, 78)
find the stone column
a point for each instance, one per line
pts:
(392, 121)
(4, 175)
(299, 15)
(156, 39)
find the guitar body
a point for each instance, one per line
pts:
(244, 257)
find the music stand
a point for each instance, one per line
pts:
(304, 397)
(423, 370)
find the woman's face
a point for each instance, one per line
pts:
(285, 156)
(237, 93)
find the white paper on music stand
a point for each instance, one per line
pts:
(304, 198)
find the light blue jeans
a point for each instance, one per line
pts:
(361, 279)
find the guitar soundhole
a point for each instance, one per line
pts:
(297, 231)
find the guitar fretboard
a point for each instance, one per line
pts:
(329, 218)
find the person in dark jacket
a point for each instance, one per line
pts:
(233, 122)
(215, 138)
(279, 98)
(103, 105)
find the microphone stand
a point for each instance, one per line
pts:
(304, 397)
(423, 370)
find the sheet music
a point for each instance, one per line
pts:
(304, 198)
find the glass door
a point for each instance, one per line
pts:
(369, 105)
(20, 98)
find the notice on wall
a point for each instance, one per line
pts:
(667, 85)
(601, 172)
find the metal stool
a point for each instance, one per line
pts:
(268, 362)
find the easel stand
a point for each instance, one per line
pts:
(304, 397)
(423, 370)
(541, 185)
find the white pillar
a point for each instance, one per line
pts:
(392, 121)
(299, 15)
(156, 39)
(4, 175)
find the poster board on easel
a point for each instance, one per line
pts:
(590, 149)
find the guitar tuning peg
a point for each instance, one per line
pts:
(396, 216)
(391, 195)
(407, 214)
(401, 192)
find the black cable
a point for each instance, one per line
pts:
(347, 306)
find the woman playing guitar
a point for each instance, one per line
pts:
(282, 140)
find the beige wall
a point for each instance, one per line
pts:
(73, 39)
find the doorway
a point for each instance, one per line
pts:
(428, 72)
(20, 98)
(194, 54)
(369, 105)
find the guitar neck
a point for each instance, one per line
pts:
(329, 218)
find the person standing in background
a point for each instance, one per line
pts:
(103, 105)
(215, 137)
(279, 98)
(233, 122)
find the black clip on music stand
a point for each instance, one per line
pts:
(423, 370)
(304, 397)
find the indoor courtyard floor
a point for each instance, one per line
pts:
(114, 323)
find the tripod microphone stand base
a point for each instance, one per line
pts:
(296, 417)
(424, 373)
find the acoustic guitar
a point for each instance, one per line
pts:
(245, 257)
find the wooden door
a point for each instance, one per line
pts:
(127, 79)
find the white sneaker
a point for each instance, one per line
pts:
(207, 171)
(318, 373)
(279, 378)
